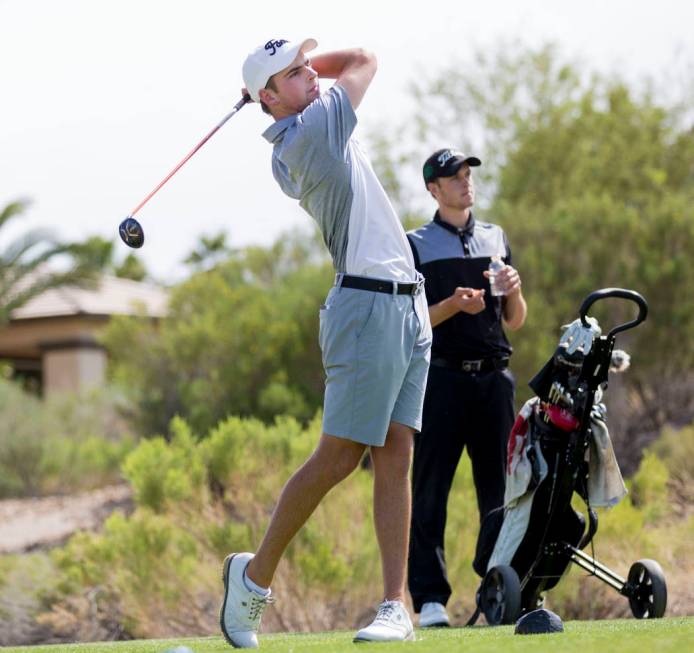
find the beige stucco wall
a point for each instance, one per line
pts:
(26, 338)
(73, 369)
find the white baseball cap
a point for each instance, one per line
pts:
(268, 59)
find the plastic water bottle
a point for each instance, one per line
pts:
(495, 266)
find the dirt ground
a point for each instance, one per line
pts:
(30, 524)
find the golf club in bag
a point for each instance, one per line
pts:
(559, 445)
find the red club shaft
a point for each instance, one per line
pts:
(237, 106)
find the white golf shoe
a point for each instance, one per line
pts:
(239, 616)
(392, 624)
(433, 615)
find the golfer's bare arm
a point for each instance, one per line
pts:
(353, 70)
(442, 311)
(514, 310)
(463, 300)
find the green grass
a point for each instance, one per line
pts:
(615, 636)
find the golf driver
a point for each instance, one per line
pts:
(130, 230)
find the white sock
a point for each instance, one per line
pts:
(263, 591)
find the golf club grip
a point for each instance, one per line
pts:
(621, 293)
(246, 98)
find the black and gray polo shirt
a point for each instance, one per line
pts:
(450, 257)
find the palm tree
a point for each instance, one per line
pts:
(24, 271)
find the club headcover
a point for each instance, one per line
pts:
(539, 621)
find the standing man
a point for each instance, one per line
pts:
(375, 334)
(469, 399)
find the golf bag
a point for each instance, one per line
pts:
(560, 445)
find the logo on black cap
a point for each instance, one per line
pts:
(445, 163)
(447, 154)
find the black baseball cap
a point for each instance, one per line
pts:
(445, 163)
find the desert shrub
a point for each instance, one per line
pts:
(160, 471)
(277, 398)
(240, 339)
(224, 450)
(649, 488)
(141, 548)
(316, 562)
(182, 531)
(675, 447)
(229, 536)
(5, 567)
(72, 463)
(64, 444)
(24, 449)
(99, 457)
(241, 449)
(27, 577)
(202, 497)
(131, 565)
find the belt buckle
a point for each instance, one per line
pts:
(471, 366)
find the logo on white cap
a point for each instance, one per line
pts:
(268, 59)
(273, 45)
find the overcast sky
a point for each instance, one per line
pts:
(101, 98)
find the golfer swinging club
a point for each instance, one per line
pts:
(375, 334)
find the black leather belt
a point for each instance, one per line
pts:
(379, 285)
(482, 365)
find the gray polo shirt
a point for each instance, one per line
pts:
(316, 160)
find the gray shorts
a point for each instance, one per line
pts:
(376, 349)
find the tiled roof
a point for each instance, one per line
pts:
(112, 296)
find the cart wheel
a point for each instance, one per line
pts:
(500, 595)
(648, 596)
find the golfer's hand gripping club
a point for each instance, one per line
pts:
(130, 229)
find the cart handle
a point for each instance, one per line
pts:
(622, 293)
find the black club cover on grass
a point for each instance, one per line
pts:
(539, 621)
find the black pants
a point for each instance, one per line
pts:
(473, 410)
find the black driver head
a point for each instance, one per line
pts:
(131, 232)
